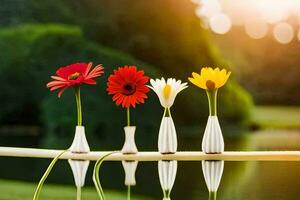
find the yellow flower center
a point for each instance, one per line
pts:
(167, 91)
(74, 76)
(210, 85)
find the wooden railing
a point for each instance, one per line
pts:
(155, 156)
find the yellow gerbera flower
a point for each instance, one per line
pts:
(209, 78)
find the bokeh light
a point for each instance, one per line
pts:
(298, 35)
(208, 8)
(256, 29)
(274, 11)
(283, 33)
(220, 23)
(255, 16)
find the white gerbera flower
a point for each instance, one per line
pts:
(167, 90)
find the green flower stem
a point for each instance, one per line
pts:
(128, 124)
(44, 177)
(212, 100)
(167, 194)
(96, 178)
(128, 116)
(78, 193)
(128, 192)
(78, 103)
(167, 112)
(212, 196)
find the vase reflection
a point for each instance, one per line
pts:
(212, 171)
(167, 171)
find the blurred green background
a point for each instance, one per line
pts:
(258, 108)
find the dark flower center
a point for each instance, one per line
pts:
(210, 85)
(129, 89)
(74, 76)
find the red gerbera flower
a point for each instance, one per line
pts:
(73, 75)
(127, 85)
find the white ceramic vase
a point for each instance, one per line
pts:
(130, 169)
(79, 167)
(167, 137)
(213, 141)
(212, 171)
(129, 146)
(167, 171)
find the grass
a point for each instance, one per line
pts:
(16, 190)
(286, 117)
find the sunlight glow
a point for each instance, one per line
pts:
(274, 11)
(209, 9)
(257, 16)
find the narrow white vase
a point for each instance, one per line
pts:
(167, 171)
(79, 167)
(212, 171)
(130, 169)
(213, 141)
(167, 137)
(129, 146)
(80, 144)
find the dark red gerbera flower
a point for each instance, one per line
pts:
(128, 86)
(73, 75)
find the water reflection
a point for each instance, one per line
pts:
(129, 170)
(247, 180)
(212, 171)
(167, 171)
